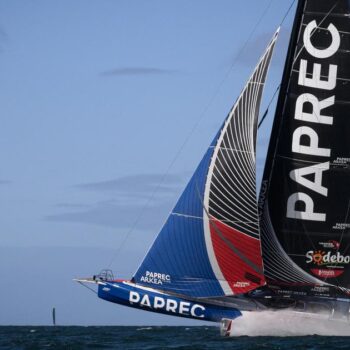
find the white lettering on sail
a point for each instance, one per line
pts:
(305, 140)
(309, 256)
(317, 106)
(308, 212)
(312, 146)
(321, 53)
(315, 81)
(298, 175)
(155, 278)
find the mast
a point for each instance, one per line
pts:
(54, 316)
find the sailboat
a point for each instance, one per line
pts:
(222, 251)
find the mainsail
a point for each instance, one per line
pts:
(305, 192)
(210, 244)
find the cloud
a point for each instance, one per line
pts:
(5, 182)
(118, 215)
(127, 198)
(137, 185)
(129, 71)
(71, 205)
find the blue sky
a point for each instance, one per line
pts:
(97, 98)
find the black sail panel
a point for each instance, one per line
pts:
(305, 192)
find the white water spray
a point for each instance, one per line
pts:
(287, 323)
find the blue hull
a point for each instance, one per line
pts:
(129, 294)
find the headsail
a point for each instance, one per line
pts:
(210, 245)
(305, 192)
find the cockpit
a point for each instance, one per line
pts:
(104, 275)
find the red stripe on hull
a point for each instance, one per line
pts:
(240, 276)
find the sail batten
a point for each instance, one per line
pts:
(231, 184)
(210, 244)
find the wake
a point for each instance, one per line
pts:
(287, 323)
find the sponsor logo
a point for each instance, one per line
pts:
(320, 257)
(327, 264)
(341, 162)
(341, 226)
(155, 278)
(313, 112)
(320, 289)
(325, 273)
(241, 284)
(330, 245)
(167, 304)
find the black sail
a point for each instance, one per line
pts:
(305, 194)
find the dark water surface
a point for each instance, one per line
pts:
(145, 338)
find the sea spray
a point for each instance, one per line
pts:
(287, 323)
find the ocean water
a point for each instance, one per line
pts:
(147, 338)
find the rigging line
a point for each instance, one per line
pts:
(268, 106)
(287, 13)
(279, 86)
(312, 34)
(194, 128)
(84, 285)
(235, 61)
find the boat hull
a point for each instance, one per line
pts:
(133, 295)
